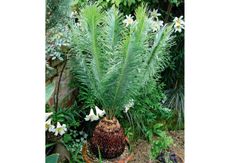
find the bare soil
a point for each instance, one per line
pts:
(141, 148)
(178, 146)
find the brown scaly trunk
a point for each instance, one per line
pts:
(109, 137)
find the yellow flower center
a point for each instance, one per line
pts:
(129, 20)
(47, 125)
(178, 23)
(59, 129)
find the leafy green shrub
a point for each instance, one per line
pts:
(57, 35)
(74, 138)
(57, 42)
(173, 77)
(159, 140)
(159, 145)
(68, 116)
(168, 8)
(57, 11)
(74, 142)
(147, 111)
(175, 101)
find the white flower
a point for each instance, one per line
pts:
(128, 21)
(156, 25)
(48, 115)
(126, 109)
(49, 126)
(60, 129)
(91, 116)
(99, 112)
(73, 14)
(155, 14)
(178, 24)
(129, 105)
(78, 24)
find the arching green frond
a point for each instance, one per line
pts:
(133, 47)
(142, 24)
(158, 56)
(81, 65)
(91, 18)
(112, 35)
(113, 28)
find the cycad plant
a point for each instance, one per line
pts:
(112, 61)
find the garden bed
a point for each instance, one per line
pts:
(141, 148)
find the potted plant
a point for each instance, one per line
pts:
(112, 58)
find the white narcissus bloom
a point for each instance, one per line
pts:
(155, 14)
(60, 129)
(156, 25)
(91, 116)
(128, 21)
(48, 115)
(129, 105)
(49, 126)
(99, 112)
(178, 24)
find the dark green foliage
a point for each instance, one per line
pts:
(175, 101)
(57, 11)
(75, 137)
(159, 140)
(173, 77)
(73, 141)
(147, 111)
(167, 7)
(162, 143)
(68, 116)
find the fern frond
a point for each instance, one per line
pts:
(134, 46)
(91, 18)
(142, 25)
(158, 56)
(81, 65)
(112, 34)
(113, 28)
